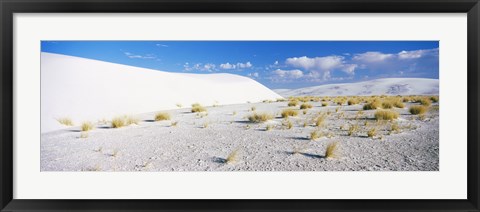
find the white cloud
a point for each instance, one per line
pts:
(208, 67)
(417, 53)
(228, 66)
(371, 57)
(254, 75)
(136, 56)
(288, 74)
(161, 45)
(320, 68)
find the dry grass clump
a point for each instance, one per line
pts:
(425, 102)
(352, 102)
(118, 122)
(394, 127)
(434, 98)
(320, 120)
(386, 115)
(331, 151)
(131, 120)
(398, 104)
(387, 105)
(65, 121)
(253, 108)
(305, 112)
(372, 132)
(372, 105)
(232, 157)
(268, 127)
(281, 100)
(197, 108)
(174, 123)
(353, 129)
(162, 116)
(289, 112)
(305, 106)
(324, 104)
(288, 124)
(292, 103)
(179, 105)
(87, 126)
(260, 117)
(418, 109)
(316, 134)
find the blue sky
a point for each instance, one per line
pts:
(275, 64)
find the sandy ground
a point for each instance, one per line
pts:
(190, 146)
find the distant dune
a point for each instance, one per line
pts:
(89, 90)
(386, 86)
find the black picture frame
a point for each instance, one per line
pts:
(9, 7)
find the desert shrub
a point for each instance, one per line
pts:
(372, 132)
(131, 120)
(324, 104)
(386, 115)
(372, 105)
(352, 129)
(305, 106)
(320, 120)
(316, 134)
(352, 102)
(387, 105)
(434, 98)
(268, 127)
(87, 126)
(418, 109)
(289, 112)
(65, 121)
(197, 108)
(292, 103)
(232, 157)
(398, 104)
(288, 124)
(395, 127)
(118, 122)
(424, 102)
(331, 151)
(260, 117)
(162, 116)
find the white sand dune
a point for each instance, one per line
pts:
(385, 86)
(89, 90)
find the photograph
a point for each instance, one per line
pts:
(239, 105)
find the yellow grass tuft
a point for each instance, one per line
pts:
(268, 127)
(372, 132)
(65, 121)
(316, 134)
(131, 120)
(352, 102)
(418, 109)
(289, 112)
(197, 108)
(425, 102)
(434, 98)
(305, 106)
(118, 122)
(320, 120)
(372, 105)
(87, 126)
(174, 123)
(260, 117)
(232, 157)
(352, 129)
(386, 115)
(288, 124)
(292, 103)
(162, 116)
(324, 104)
(331, 151)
